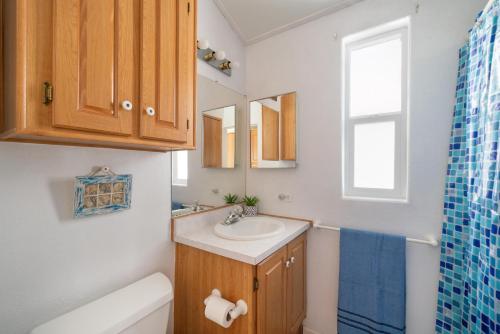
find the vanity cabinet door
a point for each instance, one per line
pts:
(272, 294)
(94, 65)
(167, 69)
(296, 285)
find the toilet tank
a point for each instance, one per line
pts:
(142, 307)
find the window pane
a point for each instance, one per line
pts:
(375, 79)
(182, 165)
(374, 145)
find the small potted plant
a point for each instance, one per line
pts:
(250, 205)
(231, 198)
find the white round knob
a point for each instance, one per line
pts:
(292, 259)
(150, 111)
(220, 55)
(127, 105)
(203, 44)
(287, 264)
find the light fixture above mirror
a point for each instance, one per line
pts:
(216, 59)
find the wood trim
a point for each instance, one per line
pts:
(21, 60)
(212, 117)
(70, 137)
(2, 107)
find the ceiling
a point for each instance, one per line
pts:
(255, 20)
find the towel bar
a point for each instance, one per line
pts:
(431, 241)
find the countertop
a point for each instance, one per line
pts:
(198, 231)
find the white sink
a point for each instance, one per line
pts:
(250, 228)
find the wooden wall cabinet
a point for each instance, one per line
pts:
(121, 73)
(275, 290)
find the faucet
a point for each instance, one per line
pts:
(195, 207)
(234, 216)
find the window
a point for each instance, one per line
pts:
(180, 168)
(375, 113)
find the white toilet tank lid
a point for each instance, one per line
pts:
(115, 312)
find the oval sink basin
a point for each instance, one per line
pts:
(250, 228)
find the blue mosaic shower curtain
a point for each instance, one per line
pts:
(469, 287)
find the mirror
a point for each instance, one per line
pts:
(219, 137)
(273, 132)
(202, 177)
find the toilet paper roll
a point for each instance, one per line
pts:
(217, 309)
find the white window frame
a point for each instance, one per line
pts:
(399, 29)
(176, 181)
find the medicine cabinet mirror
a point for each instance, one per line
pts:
(273, 132)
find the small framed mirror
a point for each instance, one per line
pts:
(273, 132)
(219, 137)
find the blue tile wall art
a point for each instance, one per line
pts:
(102, 192)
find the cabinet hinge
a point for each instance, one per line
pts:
(189, 7)
(48, 93)
(255, 284)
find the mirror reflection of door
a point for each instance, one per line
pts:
(254, 154)
(219, 137)
(273, 132)
(212, 142)
(270, 134)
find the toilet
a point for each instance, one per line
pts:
(142, 307)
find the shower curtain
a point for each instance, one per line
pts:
(469, 287)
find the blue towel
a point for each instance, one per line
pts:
(372, 291)
(176, 205)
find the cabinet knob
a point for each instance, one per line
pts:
(150, 111)
(127, 105)
(292, 259)
(287, 263)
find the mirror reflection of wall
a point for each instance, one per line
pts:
(202, 177)
(219, 137)
(273, 132)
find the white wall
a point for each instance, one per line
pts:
(308, 60)
(51, 263)
(213, 26)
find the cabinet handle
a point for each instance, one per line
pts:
(150, 111)
(292, 259)
(127, 105)
(287, 263)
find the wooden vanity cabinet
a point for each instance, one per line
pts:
(275, 290)
(111, 73)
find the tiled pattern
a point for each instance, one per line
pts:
(104, 194)
(469, 287)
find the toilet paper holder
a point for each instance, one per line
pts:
(241, 307)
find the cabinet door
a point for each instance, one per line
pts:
(296, 285)
(271, 294)
(94, 65)
(167, 73)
